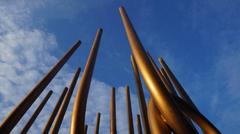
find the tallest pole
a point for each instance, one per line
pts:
(162, 98)
(13, 118)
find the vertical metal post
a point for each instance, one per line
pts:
(129, 111)
(96, 131)
(163, 99)
(54, 112)
(139, 125)
(13, 118)
(60, 115)
(36, 113)
(141, 97)
(113, 122)
(80, 102)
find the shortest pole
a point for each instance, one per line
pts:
(97, 123)
(36, 113)
(139, 125)
(85, 129)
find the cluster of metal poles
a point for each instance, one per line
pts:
(169, 109)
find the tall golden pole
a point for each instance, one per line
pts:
(129, 111)
(85, 129)
(163, 100)
(157, 125)
(96, 131)
(113, 122)
(168, 80)
(13, 118)
(54, 112)
(60, 115)
(178, 86)
(79, 107)
(141, 97)
(139, 125)
(36, 113)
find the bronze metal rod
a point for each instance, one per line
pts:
(157, 125)
(206, 126)
(177, 85)
(96, 131)
(168, 80)
(80, 102)
(170, 90)
(139, 125)
(60, 115)
(141, 97)
(36, 113)
(129, 111)
(113, 122)
(16, 114)
(163, 99)
(54, 112)
(85, 129)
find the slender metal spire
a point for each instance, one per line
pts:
(141, 97)
(36, 113)
(96, 131)
(139, 125)
(129, 111)
(168, 80)
(163, 99)
(60, 115)
(13, 118)
(80, 102)
(177, 85)
(54, 112)
(113, 122)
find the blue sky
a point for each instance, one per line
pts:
(198, 39)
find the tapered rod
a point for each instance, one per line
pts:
(85, 129)
(141, 97)
(164, 101)
(157, 125)
(80, 102)
(36, 113)
(129, 111)
(96, 131)
(139, 125)
(16, 114)
(164, 81)
(60, 115)
(168, 80)
(113, 122)
(177, 85)
(54, 112)
(206, 126)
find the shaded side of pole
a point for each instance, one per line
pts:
(85, 129)
(60, 115)
(113, 122)
(129, 111)
(157, 125)
(16, 114)
(177, 85)
(141, 97)
(36, 113)
(54, 112)
(96, 131)
(139, 125)
(163, 99)
(80, 102)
